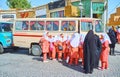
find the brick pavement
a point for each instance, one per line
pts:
(19, 64)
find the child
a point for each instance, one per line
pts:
(53, 48)
(105, 40)
(74, 43)
(66, 52)
(59, 47)
(45, 45)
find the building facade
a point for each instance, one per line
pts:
(91, 8)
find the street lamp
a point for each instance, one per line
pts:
(81, 8)
(51, 7)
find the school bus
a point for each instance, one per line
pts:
(28, 31)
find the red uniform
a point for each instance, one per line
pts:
(45, 48)
(104, 55)
(81, 52)
(59, 52)
(74, 56)
(64, 50)
(74, 48)
(118, 37)
(53, 51)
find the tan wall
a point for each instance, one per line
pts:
(98, 0)
(74, 0)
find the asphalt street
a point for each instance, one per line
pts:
(20, 64)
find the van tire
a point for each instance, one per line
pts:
(1, 49)
(36, 50)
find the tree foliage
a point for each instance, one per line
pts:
(18, 4)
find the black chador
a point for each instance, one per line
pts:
(98, 51)
(113, 40)
(89, 52)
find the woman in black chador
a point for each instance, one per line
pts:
(89, 50)
(112, 36)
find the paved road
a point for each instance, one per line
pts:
(20, 64)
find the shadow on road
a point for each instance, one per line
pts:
(38, 58)
(78, 67)
(117, 52)
(23, 51)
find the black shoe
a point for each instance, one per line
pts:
(85, 72)
(114, 55)
(91, 72)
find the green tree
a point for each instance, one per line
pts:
(18, 4)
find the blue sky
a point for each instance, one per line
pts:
(112, 4)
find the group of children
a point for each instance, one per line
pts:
(62, 47)
(70, 48)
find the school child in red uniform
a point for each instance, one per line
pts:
(45, 46)
(66, 52)
(105, 40)
(74, 44)
(118, 35)
(53, 48)
(59, 47)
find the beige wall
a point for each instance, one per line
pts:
(74, 0)
(98, 0)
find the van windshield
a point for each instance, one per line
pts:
(6, 27)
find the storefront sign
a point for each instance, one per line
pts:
(98, 8)
(41, 13)
(5, 16)
(26, 14)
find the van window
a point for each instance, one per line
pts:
(86, 26)
(52, 25)
(37, 25)
(6, 27)
(21, 25)
(68, 26)
(99, 27)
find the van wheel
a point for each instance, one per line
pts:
(1, 49)
(36, 50)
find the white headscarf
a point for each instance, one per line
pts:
(59, 38)
(53, 39)
(68, 39)
(105, 37)
(82, 38)
(45, 36)
(64, 38)
(74, 42)
(118, 30)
